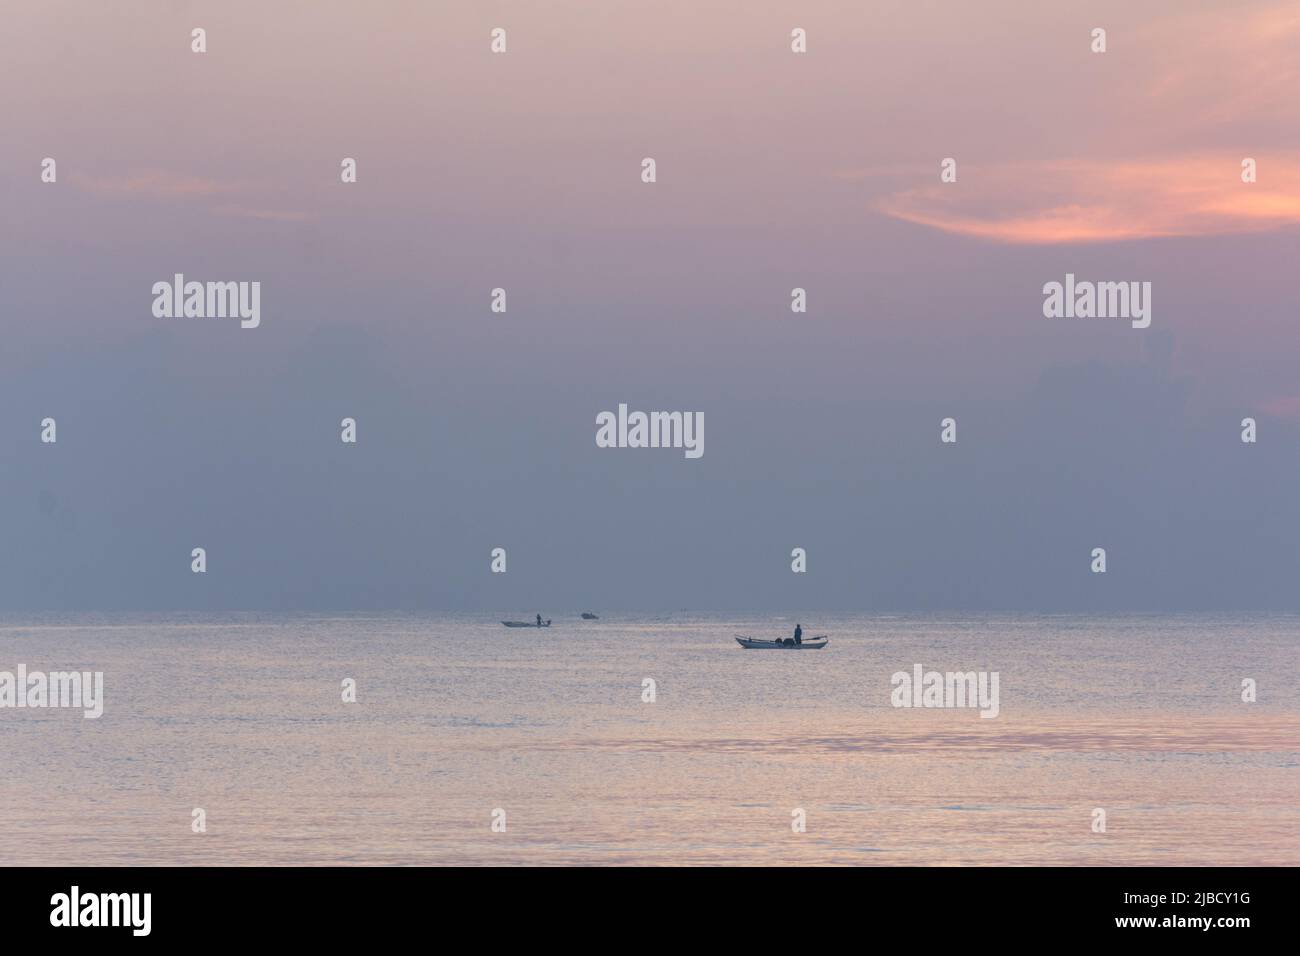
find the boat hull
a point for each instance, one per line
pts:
(525, 624)
(816, 644)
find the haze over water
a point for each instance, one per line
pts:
(240, 714)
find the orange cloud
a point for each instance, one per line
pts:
(152, 184)
(161, 185)
(1094, 201)
(1203, 78)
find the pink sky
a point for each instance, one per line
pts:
(821, 169)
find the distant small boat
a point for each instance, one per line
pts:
(786, 644)
(525, 624)
(588, 616)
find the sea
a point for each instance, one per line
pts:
(652, 739)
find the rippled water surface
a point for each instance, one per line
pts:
(457, 716)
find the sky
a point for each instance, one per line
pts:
(774, 170)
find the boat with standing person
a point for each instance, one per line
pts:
(783, 643)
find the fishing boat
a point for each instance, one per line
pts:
(784, 644)
(588, 616)
(526, 623)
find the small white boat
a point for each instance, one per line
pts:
(786, 644)
(525, 624)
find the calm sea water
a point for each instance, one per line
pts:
(457, 716)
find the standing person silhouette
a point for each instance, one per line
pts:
(539, 620)
(798, 633)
